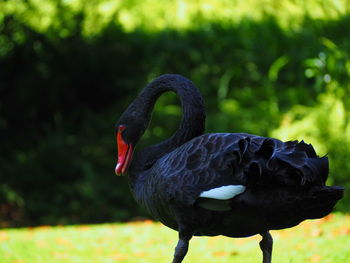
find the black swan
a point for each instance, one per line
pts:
(231, 184)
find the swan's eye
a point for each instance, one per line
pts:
(121, 128)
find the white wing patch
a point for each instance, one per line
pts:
(223, 192)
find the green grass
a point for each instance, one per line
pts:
(326, 240)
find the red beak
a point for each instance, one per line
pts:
(124, 153)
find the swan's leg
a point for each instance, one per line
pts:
(266, 246)
(182, 247)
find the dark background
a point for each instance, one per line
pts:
(64, 84)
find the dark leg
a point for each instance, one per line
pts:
(266, 246)
(182, 247)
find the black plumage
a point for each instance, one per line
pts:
(278, 184)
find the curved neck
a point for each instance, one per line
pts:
(192, 123)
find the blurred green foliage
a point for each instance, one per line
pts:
(68, 68)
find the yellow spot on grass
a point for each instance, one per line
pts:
(3, 236)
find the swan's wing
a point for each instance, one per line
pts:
(212, 169)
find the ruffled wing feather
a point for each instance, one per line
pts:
(214, 160)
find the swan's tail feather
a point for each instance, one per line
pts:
(321, 201)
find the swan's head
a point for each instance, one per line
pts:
(128, 132)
